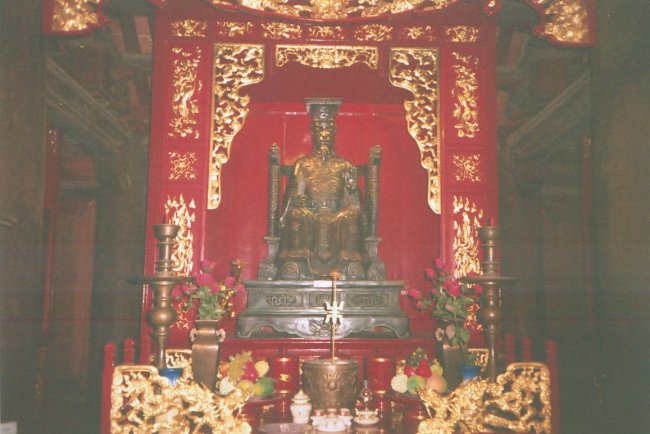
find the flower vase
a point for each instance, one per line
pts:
(452, 356)
(205, 351)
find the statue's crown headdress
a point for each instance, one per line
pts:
(323, 109)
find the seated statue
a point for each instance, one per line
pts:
(323, 226)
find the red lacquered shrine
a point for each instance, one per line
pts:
(230, 82)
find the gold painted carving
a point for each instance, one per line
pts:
(418, 33)
(466, 167)
(416, 70)
(336, 9)
(465, 94)
(186, 85)
(462, 34)
(325, 32)
(74, 15)
(235, 66)
(180, 358)
(144, 402)
(233, 29)
(281, 31)
(182, 165)
(472, 323)
(326, 56)
(566, 20)
(182, 320)
(519, 401)
(179, 212)
(465, 245)
(189, 28)
(373, 32)
(480, 355)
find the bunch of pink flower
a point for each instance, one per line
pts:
(211, 299)
(448, 299)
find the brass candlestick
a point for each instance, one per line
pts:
(162, 315)
(491, 281)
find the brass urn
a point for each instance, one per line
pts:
(331, 383)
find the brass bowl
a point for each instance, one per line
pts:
(331, 384)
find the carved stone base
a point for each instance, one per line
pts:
(285, 308)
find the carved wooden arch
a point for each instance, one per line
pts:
(413, 69)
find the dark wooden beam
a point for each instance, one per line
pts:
(73, 110)
(562, 121)
(517, 15)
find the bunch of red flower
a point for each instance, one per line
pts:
(210, 298)
(448, 299)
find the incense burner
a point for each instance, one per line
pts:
(331, 383)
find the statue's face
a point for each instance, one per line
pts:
(322, 135)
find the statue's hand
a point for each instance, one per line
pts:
(351, 178)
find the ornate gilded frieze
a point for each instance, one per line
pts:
(336, 9)
(182, 165)
(189, 28)
(418, 33)
(519, 401)
(467, 219)
(465, 95)
(186, 85)
(462, 34)
(334, 33)
(278, 31)
(233, 29)
(416, 70)
(181, 213)
(373, 32)
(466, 167)
(565, 21)
(234, 66)
(326, 56)
(75, 15)
(144, 402)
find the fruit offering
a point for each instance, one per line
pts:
(416, 372)
(242, 372)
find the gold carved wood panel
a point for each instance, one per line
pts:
(416, 70)
(186, 86)
(234, 66)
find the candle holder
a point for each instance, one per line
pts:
(285, 370)
(490, 314)
(162, 315)
(380, 369)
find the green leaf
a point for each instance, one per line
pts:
(463, 334)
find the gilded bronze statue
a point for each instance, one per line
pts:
(324, 222)
(323, 225)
